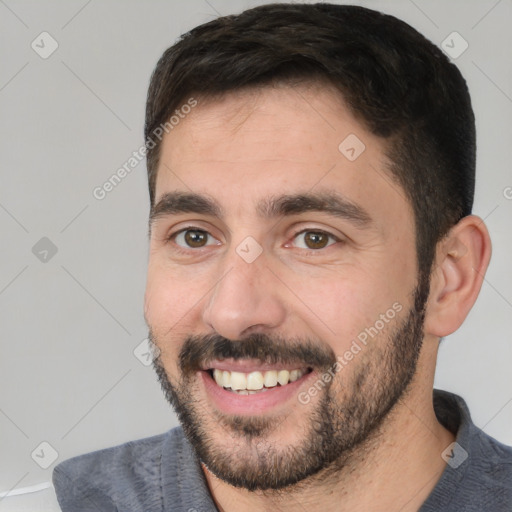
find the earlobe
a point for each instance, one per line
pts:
(462, 258)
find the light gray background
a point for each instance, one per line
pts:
(69, 326)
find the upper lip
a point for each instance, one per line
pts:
(248, 366)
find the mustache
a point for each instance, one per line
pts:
(198, 351)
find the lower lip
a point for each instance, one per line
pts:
(233, 403)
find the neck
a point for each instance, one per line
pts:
(396, 469)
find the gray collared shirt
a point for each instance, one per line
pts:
(162, 473)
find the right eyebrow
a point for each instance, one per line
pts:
(172, 203)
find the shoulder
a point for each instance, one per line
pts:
(486, 481)
(478, 475)
(486, 456)
(492, 466)
(123, 477)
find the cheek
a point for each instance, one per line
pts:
(356, 308)
(168, 298)
(172, 305)
(333, 309)
(162, 312)
(157, 300)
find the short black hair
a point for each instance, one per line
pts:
(398, 84)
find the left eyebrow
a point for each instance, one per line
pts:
(324, 202)
(174, 203)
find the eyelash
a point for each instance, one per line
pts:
(180, 249)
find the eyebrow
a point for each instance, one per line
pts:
(323, 202)
(174, 203)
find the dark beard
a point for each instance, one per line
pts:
(335, 428)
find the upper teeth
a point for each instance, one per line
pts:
(255, 380)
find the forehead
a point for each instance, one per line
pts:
(281, 122)
(248, 145)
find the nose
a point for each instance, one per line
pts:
(246, 299)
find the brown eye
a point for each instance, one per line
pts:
(196, 238)
(192, 238)
(314, 240)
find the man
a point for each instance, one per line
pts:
(311, 177)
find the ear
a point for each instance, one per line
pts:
(462, 258)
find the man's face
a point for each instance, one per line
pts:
(298, 265)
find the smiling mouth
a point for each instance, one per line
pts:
(256, 381)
